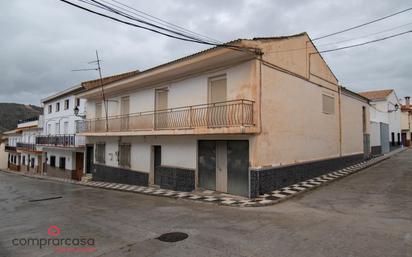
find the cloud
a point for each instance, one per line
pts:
(42, 41)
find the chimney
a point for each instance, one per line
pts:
(407, 102)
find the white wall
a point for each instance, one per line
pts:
(384, 111)
(61, 116)
(3, 156)
(375, 135)
(186, 92)
(29, 136)
(70, 157)
(394, 116)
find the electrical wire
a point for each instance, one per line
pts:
(132, 24)
(365, 43)
(164, 22)
(362, 25)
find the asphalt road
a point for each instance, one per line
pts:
(365, 214)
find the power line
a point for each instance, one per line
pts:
(365, 43)
(367, 35)
(132, 24)
(362, 25)
(118, 12)
(161, 21)
(183, 37)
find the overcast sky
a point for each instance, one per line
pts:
(43, 40)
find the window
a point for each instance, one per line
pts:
(124, 155)
(57, 128)
(50, 108)
(24, 160)
(52, 161)
(328, 104)
(57, 106)
(66, 127)
(62, 163)
(32, 162)
(217, 89)
(77, 102)
(124, 112)
(66, 104)
(100, 152)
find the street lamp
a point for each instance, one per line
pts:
(76, 113)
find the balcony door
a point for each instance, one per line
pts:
(124, 112)
(161, 119)
(99, 121)
(217, 112)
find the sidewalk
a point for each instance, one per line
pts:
(225, 199)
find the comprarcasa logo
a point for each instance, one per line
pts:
(58, 242)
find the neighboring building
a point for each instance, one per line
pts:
(244, 122)
(14, 157)
(3, 154)
(385, 116)
(63, 149)
(31, 157)
(406, 119)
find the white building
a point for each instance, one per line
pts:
(385, 117)
(31, 156)
(63, 149)
(14, 157)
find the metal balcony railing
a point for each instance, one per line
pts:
(61, 140)
(222, 114)
(26, 146)
(28, 120)
(10, 148)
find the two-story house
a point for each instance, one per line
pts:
(244, 119)
(14, 157)
(385, 116)
(63, 149)
(31, 156)
(406, 119)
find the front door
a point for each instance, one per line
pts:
(403, 139)
(221, 166)
(157, 161)
(79, 166)
(224, 166)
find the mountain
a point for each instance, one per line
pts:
(10, 113)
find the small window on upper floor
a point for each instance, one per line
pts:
(50, 108)
(57, 106)
(77, 102)
(328, 104)
(66, 104)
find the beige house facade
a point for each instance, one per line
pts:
(244, 119)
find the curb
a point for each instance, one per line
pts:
(281, 195)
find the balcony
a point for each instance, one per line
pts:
(236, 113)
(10, 148)
(61, 141)
(26, 147)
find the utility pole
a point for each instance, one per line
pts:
(105, 102)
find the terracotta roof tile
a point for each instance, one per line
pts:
(377, 94)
